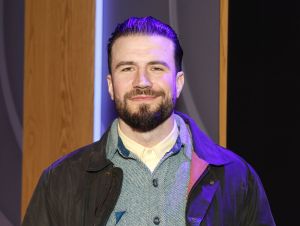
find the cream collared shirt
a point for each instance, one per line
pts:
(150, 156)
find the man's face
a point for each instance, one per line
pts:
(144, 83)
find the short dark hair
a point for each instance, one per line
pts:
(148, 26)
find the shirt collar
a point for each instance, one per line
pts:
(159, 150)
(183, 140)
(185, 137)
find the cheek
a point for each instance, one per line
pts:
(120, 90)
(170, 87)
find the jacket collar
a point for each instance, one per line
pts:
(204, 147)
(97, 159)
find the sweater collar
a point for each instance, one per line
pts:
(203, 146)
(184, 138)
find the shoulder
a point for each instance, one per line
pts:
(234, 165)
(77, 157)
(239, 170)
(81, 157)
(69, 168)
(67, 175)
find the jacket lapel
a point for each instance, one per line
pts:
(103, 185)
(198, 166)
(204, 147)
(202, 198)
(202, 187)
(201, 190)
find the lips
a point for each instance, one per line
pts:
(143, 94)
(142, 97)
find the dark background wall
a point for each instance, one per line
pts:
(263, 102)
(11, 98)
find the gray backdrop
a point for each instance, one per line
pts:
(197, 23)
(11, 96)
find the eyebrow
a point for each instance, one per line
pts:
(126, 63)
(159, 62)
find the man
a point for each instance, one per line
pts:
(152, 166)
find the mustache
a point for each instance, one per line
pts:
(147, 92)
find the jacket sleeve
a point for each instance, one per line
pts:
(257, 211)
(40, 210)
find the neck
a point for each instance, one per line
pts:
(149, 138)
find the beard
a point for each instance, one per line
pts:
(145, 119)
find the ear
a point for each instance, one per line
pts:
(110, 86)
(179, 82)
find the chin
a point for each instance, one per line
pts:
(136, 109)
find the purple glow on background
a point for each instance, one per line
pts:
(98, 70)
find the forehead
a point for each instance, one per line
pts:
(145, 46)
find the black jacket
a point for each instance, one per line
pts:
(82, 188)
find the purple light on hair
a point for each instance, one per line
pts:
(146, 26)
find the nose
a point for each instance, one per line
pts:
(142, 80)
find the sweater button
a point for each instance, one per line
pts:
(155, 182)
(156, 220)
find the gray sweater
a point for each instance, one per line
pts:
(157, 198)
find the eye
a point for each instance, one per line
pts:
(157, 68)
(125, 69)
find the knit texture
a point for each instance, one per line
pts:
(147, 197)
